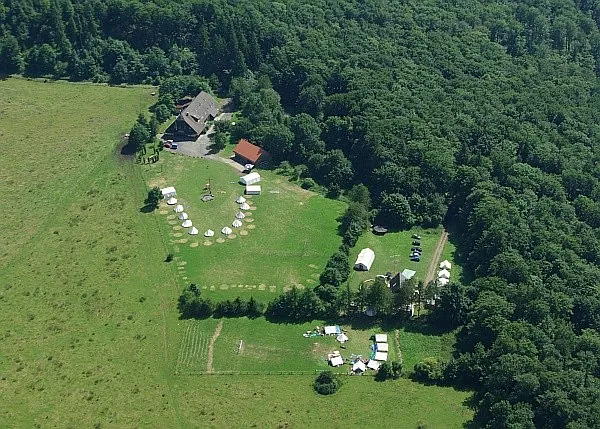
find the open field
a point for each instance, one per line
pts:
(392, 251)
(285, 240)
(90, 331)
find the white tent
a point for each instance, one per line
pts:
(226, 230)
(250, 179)
(193, 231)
(240, 215)
(240, 200)
(236, 223)
(445, 265)
(209, 233)
(178, 208)
(365, 260)
(443, 282)
(382, 347)
(186, 223)
(445, 274)
(336, 361)
(244, 206)
(359, 366)
(373, 364)
(253, 190)
(382, 356)
(381, 338)
(332, 330)
(183, 216)
(172, 201)
(407, 274)
(168, 192)
(342, 338)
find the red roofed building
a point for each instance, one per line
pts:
(247, 153)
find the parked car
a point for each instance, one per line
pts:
(417, 249)
(167, 145)
(416, 243)
(174, 146)
(415, 259)
(416, 237)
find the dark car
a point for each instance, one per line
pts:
(415, 259)
(416, 243)
(416, 237)
(174, 146)
(167, 145)
(417, 249)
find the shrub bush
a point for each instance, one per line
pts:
(327, 383)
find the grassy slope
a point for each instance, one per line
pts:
(90, 333)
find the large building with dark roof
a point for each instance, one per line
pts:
(193, 118)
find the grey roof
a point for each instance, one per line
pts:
(198, 111)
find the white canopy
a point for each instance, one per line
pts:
(250, 179)
(365, 260)
(186, 223)
(381, 338)
(443, 282)
(336, 361)
(240, 215)
(244, 206)
(332, 330)
(373, 364)
(178, 208)
(444, 274)
(172, 201)
(226, 230)
(168, 192)
(236, 223)
(359, 366)
(382, 356)
(183, 216)
(209, 233)
(193, 231)
(445, 264)
(342, 338)
(382, 347)
(253, 190)
(240, 200)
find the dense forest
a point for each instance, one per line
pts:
(482, 115)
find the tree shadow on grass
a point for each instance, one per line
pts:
(147, 209)
(424, 325)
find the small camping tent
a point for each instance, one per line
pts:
(250, 179)
(172, 201)
(381, 356)
(245, 206)
(443, 282)
(359, 366)
(178, 208)
(382, 347)
(240, 215)
(365, 260)
(381, 338)
(445, 274)
(373, 364)
(183, 216)
(332, 330)
(342, 338)
(236, 223)
(186, 223)
(168, 192)
(336, 361)
(445, 265)
(240, 200)
(209, 233)
(226, 230)
(253, 190)
(193, 231)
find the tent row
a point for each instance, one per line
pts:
(444, 273)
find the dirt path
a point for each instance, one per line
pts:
(435, 259)
(211, 347)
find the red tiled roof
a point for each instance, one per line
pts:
(247, 150)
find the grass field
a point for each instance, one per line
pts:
(285, 240)
(90, 331)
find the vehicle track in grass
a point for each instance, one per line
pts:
(211, 347)
(435, 258)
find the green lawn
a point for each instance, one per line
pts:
(285, 240)
(90, 331)
(392, 252)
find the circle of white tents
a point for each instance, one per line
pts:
(240, 215)
(236, 223)
(178, 208)
(209, 233)
(240, 200)
(172, 201)
(193, 231)
(226, 230)
(245, 206)
(187, 223)
(183, 216)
